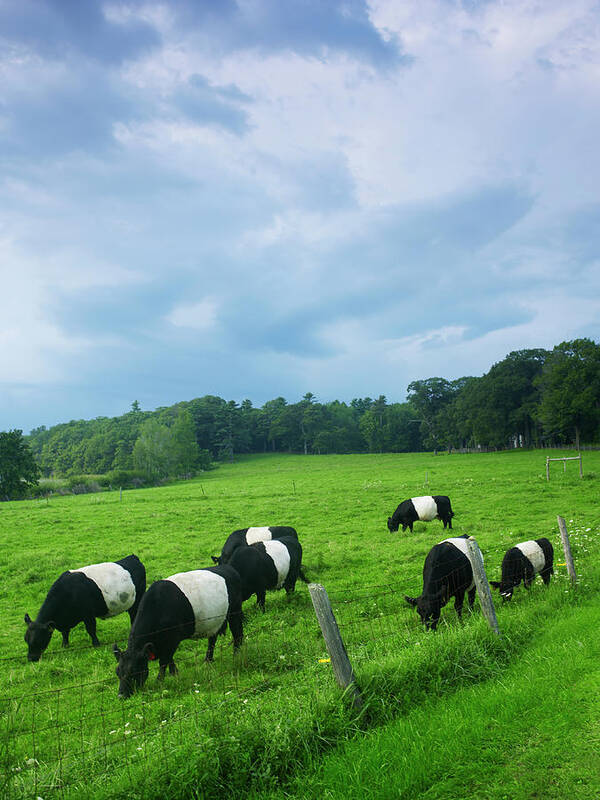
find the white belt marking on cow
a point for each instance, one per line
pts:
(534, 553)
(281, 558)
(425, 507)
(258, 535)
(461, 544)
(114, 582)
(207, 593)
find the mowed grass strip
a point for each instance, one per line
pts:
(533, 732)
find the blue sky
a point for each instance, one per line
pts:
(255, 198)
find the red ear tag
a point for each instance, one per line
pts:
(151, 656)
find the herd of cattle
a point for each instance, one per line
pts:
(203, 602)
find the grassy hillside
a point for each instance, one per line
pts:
(254, 721)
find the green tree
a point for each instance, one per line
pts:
(185, 447)
(18, 470)
(570, 387)
(153, 450)
(429, 397)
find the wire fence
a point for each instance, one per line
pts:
(51, 738)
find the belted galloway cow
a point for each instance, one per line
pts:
(422, 509)
(262, 566)
(447, 573)
(83, 594)
(522, 563)
(187, 605)
(247, 536)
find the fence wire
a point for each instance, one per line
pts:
(53, 737)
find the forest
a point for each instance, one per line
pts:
(532, 398)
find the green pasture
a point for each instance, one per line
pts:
(254, 722)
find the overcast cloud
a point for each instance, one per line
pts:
(254, 198)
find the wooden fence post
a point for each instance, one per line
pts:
(481, 582)
(564, 536)
(340, 662)
(547, 468)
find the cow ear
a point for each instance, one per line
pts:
(216, 559)
(116, 651)
(27, 619)
(412, 601)
(495, 584)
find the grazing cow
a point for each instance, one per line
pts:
(250, 536)
(522, 563)
(447, 573)
(425, 509)
(80, 595)
(188, 605)
(275, 564)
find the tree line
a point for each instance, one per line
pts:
(533, 397)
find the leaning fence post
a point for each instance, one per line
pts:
(340, 662)
(564, 536)
(483, 588)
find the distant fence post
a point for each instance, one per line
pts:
(564, 460)
(481, 582)
(566, 543)
(340, 662)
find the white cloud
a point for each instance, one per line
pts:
(201, 316)
(322, 203)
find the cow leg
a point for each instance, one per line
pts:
(65, 637)
(161, 672)
(236, 628)
(90, 626)
(172, 668)
(546, 576)
(459, 599)
(260, 600)
(472, 593)
(210, 653)
(449, 523)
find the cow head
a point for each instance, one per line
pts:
(428, 609)
(132, 668)
(392, 526)
(506, 591)
(37, 636)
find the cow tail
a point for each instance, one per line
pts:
(301, 575)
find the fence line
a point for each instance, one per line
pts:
(50, 734)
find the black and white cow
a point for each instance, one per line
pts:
(522, 563)
(249, 536)
(275, 564)
(81, 595)
(188, 605)
(447, 573)
(422, 509)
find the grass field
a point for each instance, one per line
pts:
(270, 721)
